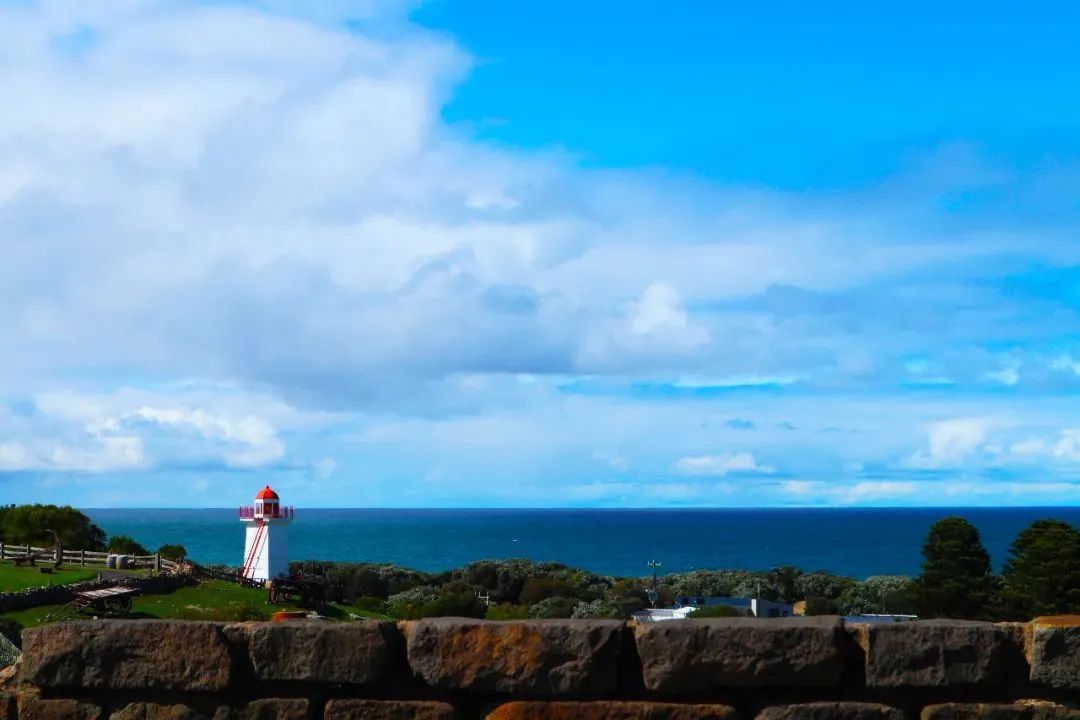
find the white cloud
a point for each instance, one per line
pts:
(325, 468)
(1066, 363)
(1032, 447)
(1068, 446)
(950, 442)
(658, 311)
(612, 460)
(250, 441)
(721, 464)
(139, 430)
(267, 204)
(16, 456)
(816, 492)
(876, 490)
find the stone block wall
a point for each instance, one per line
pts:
(455, 669)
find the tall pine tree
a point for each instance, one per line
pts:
(956, 581)
(1042, 574)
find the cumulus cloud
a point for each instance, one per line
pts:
(722, 464)
(265, 198)
(139, 430)
(331, 237)
(950, 442)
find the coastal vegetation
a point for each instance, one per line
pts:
(1041, 576)
(124, 545)
(34, 525)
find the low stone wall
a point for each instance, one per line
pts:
(444, 669)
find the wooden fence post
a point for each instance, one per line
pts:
(82, 558)
(1, 549)
(157, 563)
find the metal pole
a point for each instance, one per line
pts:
(654, 565)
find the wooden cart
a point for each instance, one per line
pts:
(105, 601)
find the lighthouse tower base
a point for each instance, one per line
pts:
(266, 547)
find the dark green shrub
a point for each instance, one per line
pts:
(556, 607)
(172, 552)
(507, 611)
(124, 545)
(536, 589)
(822, 606)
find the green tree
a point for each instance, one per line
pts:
(172, 552)
(125, 545)
(1042, 574)
(956, 581)
(30, 525)
(785, 580)
(821, 606)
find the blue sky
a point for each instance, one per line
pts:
(474, 254)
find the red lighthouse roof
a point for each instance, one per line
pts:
(266, 494)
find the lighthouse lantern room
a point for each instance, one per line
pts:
(265, 549)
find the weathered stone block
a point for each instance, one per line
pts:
(936, 653)
(1023, 710)
(701, 655)
(831, 711)
(354, 653)
(387, 710)
(268, 709)
(127, 654)
(154, 711)
(540, 657)
(1055, 651)
(33, 707)
(9, 682)
(273, 709)
(609, 711)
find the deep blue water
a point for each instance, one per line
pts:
(854, 542)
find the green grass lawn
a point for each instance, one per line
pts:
(219, 595)
(13, 578)
(211, 600)
(205, 599)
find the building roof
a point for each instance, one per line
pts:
(266, 494)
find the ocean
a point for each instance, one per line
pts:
(854, 542)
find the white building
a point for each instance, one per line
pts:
(266, 553)
(662, 614)
(751, 607)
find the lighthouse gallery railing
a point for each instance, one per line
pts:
(247, 512)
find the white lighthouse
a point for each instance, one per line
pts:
(265, 548)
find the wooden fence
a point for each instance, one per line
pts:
(88, 557)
